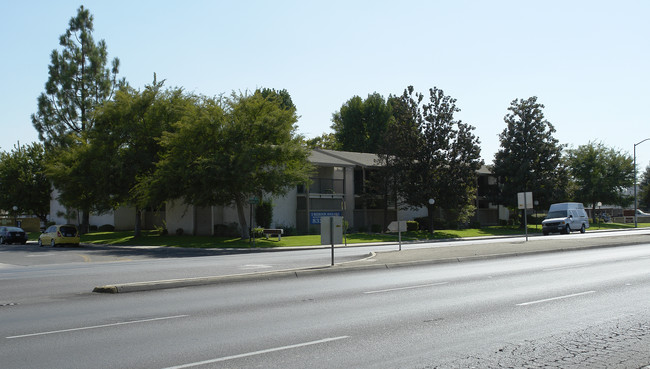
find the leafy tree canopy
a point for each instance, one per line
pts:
(644, 190)
(79, 82)
(600, 173)
(360, 125)
(243, 145)
(431, 154)
(128, 131)
(530, 158)
(23, 181)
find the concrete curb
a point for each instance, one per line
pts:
(382, 260)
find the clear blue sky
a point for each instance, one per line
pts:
(588, 62)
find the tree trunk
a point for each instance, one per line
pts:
(245, 234)
(137, 232)
(593, 213)
(85, 221)
(430, 214)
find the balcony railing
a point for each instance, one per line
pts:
(323, 185)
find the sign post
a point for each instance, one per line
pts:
(331, 229)
(253, 200)
(525, 202)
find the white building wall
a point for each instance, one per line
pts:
(180, 215)
(58, 214)
(124, 218)
(411, 214)
(348, 213)
(102, 219)
(284, 209)
(57, 210)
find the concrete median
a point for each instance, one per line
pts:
(407, 257)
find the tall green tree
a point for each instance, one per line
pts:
(79, 81)
(433, 155)
(242, 146)
(530, 158)
(600, 174)
(644, 190)
(128, 131)
(324, 141)
(23, 181)
(360, 125)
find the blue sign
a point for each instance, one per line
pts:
(314, 216)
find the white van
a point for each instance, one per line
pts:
(565, 217)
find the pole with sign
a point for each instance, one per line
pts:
(253, 200)
(525, 202)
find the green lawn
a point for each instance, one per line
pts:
(151, 238)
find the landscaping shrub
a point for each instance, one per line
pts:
(438, 223)
(264, 214)
(412, 226)
(376, 228)
(288, 230)
(475, 225)
(106, 228)
(92, 228)
(258, 232)
(179, 231)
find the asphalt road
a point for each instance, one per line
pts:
(587, 308)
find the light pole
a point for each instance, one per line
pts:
(431, 202)
(635, 145)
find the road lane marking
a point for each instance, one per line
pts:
(256, 266)
(98, 326)
(407, 288)
(567, 267)
(226, 358)
(85, 257)
(556, 298)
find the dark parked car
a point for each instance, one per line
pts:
(12, 235)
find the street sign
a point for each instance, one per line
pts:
(253, 200)
(315, 216)
(525, 202)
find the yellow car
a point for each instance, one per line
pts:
(58, 235)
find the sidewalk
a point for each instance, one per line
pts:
(504, 247)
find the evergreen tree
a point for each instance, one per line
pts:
(432, 155)
(530, 158)
(79, 81)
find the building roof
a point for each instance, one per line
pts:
(344, 158)
(335, 158)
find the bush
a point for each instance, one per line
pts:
(264, 214)
(475, 225)
(92, 228)
(288, 230)
(106, 228)
(412, 226)
(258, 232)
(438, 223)
(179, 231)
(376, 228)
